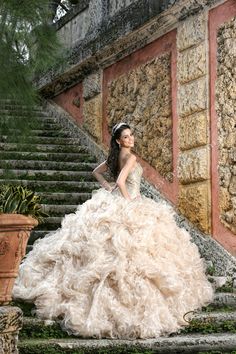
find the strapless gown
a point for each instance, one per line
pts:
(116, 268)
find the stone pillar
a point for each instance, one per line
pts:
(11, 321)
(92, 108)
(193, 130)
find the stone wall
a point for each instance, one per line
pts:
(117, 5)
(142, 98)
(226, 113)
(167, 97)
(74, 27)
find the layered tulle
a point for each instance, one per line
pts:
(116, 269)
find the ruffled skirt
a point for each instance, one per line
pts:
(116, 269)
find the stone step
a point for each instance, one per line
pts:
(216, 316)
(179, 344)
(10, 126)
(59, 210)
(224, 299)
(49, 137)
(47, 175)
(42, 148)
(51, 223)
(11, 105)
(35, 235)
(46, 156)
(21, 112)
(215, 321)
(57, 186)
(46, 165)
(61, 198)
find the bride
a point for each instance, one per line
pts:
(119, 266)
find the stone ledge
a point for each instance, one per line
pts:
(181, 344)
(146, 23)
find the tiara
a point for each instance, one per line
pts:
(116, 127)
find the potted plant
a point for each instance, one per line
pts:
(20, 212)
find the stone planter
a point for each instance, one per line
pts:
(14, 234)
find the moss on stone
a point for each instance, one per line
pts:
(37, 330)
(34, 347)
(221, 307)
(26, 307)
(210, 326)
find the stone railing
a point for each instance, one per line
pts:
(90, 15)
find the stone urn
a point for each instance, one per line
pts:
(14, 234)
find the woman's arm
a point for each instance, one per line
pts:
(128, 166)
(97, 173)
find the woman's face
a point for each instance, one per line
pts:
(126, 139)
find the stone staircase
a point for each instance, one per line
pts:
(50, 162)
(212, 330)
(58, 167)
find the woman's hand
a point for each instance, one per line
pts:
(107, 186)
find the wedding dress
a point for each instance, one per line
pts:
(116, 268)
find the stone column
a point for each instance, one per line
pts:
(194, 199)
(92, 108)
(11, 320)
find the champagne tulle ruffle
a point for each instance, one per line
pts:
(116, 269)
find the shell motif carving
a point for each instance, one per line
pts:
(4, 247)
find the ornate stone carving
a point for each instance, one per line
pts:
(11, 320)
(4, 246)
(142, 98)
(226, 113)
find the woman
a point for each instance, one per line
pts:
(119, 266)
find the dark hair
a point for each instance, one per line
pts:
(112, 160)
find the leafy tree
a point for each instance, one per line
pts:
(28, 45)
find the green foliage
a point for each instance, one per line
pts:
(227, 287)
(28, 46)
(36, 330)
(26, 307)
(53, 348)
(20, 200)
(223, 308)
(210, 270)
(210, 326)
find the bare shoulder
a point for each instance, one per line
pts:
(129, 159)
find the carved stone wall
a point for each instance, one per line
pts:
(142, 98)
(226, 115)
(193, 128)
